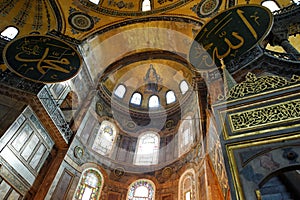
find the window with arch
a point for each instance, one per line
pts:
(147, 149)
(10, 32)
(105, 138)
(90, 185)
(187, 185)
(120, 91)
(153, 101)
(146, 5)
(136, 99)
(271, 5)
(186, 135)
(95, 1)
(170, 97)
(184, 87)
(141, 190)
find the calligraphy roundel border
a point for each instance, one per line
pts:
(207, 7)
(42, 58)
(81, 21)
(207, 48)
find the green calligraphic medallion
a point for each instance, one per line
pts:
(230, 34)
(42, 59)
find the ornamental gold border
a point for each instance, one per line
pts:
(222, 115)
(230, 148)
(251, 96)
(234, 130)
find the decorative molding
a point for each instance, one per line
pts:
(118, 13)
(121, 4)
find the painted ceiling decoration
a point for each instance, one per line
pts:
(133, 8)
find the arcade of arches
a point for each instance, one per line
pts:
(140, 119)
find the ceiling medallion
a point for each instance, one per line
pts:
(207, 7)
(167, 172)
(131, 125)
(119, 172)
(81, 21)
(78, 152)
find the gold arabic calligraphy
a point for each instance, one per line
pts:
(234, 40)
(43, 63)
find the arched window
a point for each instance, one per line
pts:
(94, 1)
(10, 32)
(183, 87)
(146, 5)
(136, 99)
(187, 185)
(105, 138)
(272, 5)
(120, 91)
(153, 101)
(186, 135)
(170, 97)
(90, 185)
(141, 190)
(147, 149)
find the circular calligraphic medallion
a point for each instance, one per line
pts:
(230, 34)
(81, 21)
(41, 58)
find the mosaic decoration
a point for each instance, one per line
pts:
(20, 19)
(110, 11)
(163, 1)
(167, 172)
(78, 152)
(230, 34)
(207, 7)
(266, 115)
(7, 6)
(38, 19)
(80, 21)
(41, 58)
(121, 4)
(119, 172)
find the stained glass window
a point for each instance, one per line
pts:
(136, 98)
(187, 185)
(170, 97)
(120, 91)
(147, 149)
(141, 190)
(105, 138)
(90, 185)
(183, 87)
